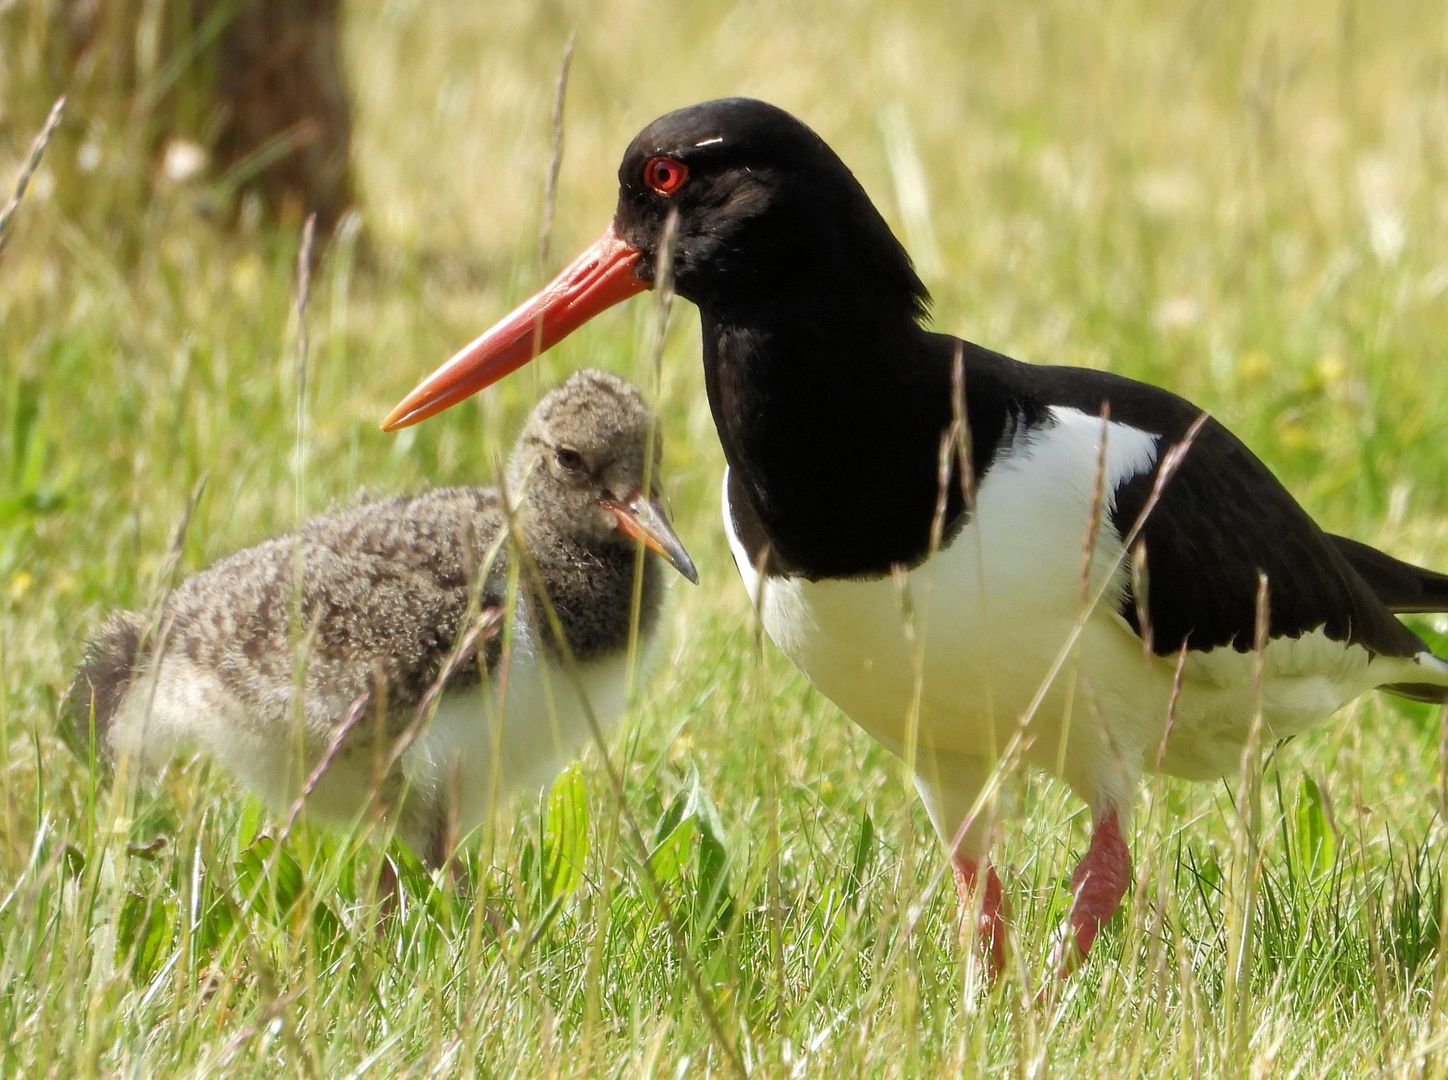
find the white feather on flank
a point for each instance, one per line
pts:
(992, 611)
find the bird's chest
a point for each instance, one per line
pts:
(965, 642)
(516, 729)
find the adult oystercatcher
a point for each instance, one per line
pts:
(389, 679)
(1086, 562)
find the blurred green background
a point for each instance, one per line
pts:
(1242, 202)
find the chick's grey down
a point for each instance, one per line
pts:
(389, 592)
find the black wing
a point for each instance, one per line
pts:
(1221, 520)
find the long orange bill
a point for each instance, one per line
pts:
(599, 278)
(644, 519)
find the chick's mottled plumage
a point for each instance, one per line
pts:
(389, 591)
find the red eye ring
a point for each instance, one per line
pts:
(665, 174)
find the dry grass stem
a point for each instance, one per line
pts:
(555, 155)
(28, 167)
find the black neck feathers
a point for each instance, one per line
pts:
(833, 431)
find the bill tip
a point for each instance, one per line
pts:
(399, 417)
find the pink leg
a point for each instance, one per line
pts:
(990, 923)
(1100, 881)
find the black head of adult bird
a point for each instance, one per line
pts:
(983, 559)
(401, 696)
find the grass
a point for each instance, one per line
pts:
(1244, 203)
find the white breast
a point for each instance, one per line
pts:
(491, 741)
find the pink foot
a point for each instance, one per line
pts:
(990, 927)
(1100, 881)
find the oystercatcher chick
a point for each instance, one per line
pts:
(389, 679)
(958, 548)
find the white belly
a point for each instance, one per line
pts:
(491, 741)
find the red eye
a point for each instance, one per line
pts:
(665, 175)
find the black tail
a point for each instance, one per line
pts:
(1424, 692)
(100, 684)
(1402, 587)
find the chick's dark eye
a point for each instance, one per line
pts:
(665, 175)
(569, 459)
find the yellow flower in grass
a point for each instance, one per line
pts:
(18, 586)
(1331, 370)
(1253, 366)
(1293, 433)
